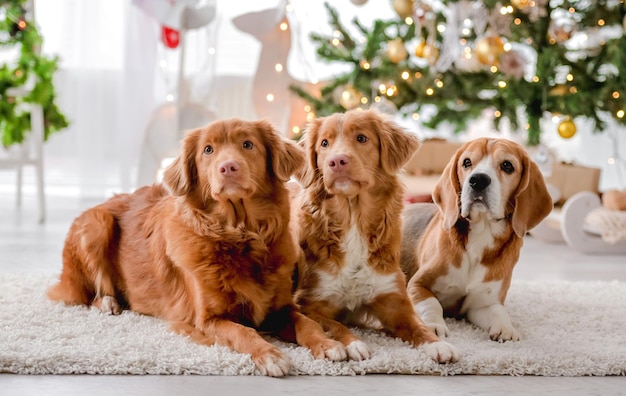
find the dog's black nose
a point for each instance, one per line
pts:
(479, 181)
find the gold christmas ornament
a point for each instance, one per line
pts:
(488, 50)
(419, 49)
(559, 90)
(521, 4)
(431, 53)
(566, 128)
(396, 51)
(427, 51)
(350, 98)
(404, 8)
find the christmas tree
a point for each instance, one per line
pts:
(519, 59)
(31, 70)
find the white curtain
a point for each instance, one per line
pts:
(105, 86)
(114, 74)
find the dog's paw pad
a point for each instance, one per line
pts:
(441, 352)
(273, 364)
(358, 350)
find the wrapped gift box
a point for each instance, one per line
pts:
(432, 157)
(570, 179)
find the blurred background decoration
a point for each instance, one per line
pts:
(453, 61)
(26, 76)
(124, 68)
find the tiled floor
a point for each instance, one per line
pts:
(28, 247)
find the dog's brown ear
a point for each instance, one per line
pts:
(308, 174)
(447, 192)
(181, 176)
(531, 201)
(284, 157)
(289, 160)
(396, 145)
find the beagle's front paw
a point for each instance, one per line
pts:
(431, 313)
(501, 333)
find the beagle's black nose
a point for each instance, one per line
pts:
(479, 181)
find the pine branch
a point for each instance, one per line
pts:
(460, 96)
(14, 117)
(336, 23)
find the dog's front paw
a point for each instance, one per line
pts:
(108, 305)
(273, 363)
(358, 350)
(439, 327)
(496, 321)
(331, 350)
(441, 352)
(501, 333)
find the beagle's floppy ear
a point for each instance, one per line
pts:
(447, 192)
(397, 146)
(308, 174)
(531, 201)
(181, 176)
(284, 157)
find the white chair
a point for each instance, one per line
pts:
(30, 152)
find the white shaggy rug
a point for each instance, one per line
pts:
(568, 329)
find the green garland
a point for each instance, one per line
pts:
(461, 95)
(16, 30)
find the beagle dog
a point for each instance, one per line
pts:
(458, 254)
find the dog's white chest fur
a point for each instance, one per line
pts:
(468, 280)
(356, 283)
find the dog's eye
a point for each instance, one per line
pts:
(324, 143)
(361, 138)
(248, 145)
(467, 163)
(507, 167)
(208, 149)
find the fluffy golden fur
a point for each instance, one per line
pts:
(459, 252)
(209, 251)
(347, 218)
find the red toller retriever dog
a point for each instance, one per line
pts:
(209, 251)
(348, 221)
